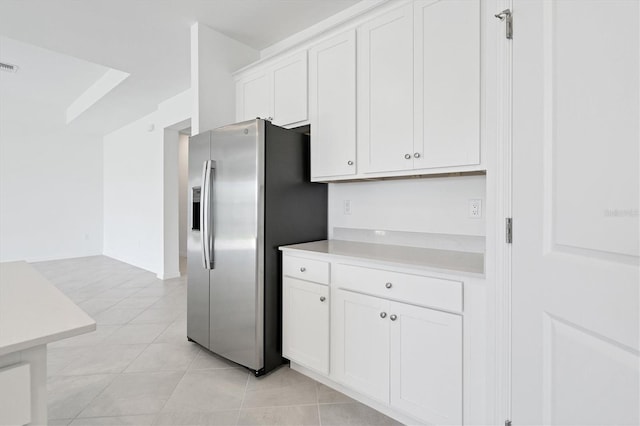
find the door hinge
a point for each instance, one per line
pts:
(507, 423)
(506, 16)
(508, 231)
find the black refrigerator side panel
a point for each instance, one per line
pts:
(295, 212)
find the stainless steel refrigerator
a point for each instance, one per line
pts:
(249, 194)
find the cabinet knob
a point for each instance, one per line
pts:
(302, 269)
(416, 155)
(350, 163)
(407, 156)
(393, 317)
(383, 314)
(322, 298)
(388, 285)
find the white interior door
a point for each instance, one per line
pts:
(575, 280)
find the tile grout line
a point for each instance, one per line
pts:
(134, 359)
(92, 399)
(176, 387)
(114, 375)
(318, 404)
(244, 395)
(170, 301)
(109, 384)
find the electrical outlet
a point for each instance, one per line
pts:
(475, 209)
(346, 207)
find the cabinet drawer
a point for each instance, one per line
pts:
(413, 289)
(306, 269)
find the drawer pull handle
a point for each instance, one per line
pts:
(388, 285)
(322, 298)
(383, 314)
(393, 317)
(302, 269)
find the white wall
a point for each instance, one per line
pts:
(170, 267)
(183, 198)
(50, 190)
(135, 204)
(141, 178)
(214, 56)
(431, 205)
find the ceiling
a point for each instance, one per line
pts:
(78, 40)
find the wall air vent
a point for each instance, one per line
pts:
(8, 67)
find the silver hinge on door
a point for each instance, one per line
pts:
(507, 423)
(508, 231)
(506, 16)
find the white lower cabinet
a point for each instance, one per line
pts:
(361, 343)
(403, 355)
(393, 338)
(305, 319)
(426, 363)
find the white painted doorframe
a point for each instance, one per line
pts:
(170, 267)
(503, 209)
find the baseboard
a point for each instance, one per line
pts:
(168, 275)
(384, 409)
(35, 259)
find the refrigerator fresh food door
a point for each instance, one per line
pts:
(198, 276)
(237, 206)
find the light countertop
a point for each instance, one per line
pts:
(446, 261)
(33, 312)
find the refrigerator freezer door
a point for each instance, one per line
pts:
(198, 276)
(236, 290)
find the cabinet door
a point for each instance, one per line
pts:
(361, 343)
(426, 363)
(252, 97)
(385, 92)
(305, 323)
(289, 90)
(447, 83)
(332, 106)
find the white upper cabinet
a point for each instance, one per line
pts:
(385, 92)
(447, 82)
(252, 96)
(332, 107)
(398, 93)
(289, 90)
(419, 88)
(276, 91)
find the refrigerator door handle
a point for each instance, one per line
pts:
(206, 216)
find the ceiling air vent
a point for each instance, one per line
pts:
(8, 67)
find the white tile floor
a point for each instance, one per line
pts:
(138, 368)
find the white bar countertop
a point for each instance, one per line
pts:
(33, 312)
(446, 261)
